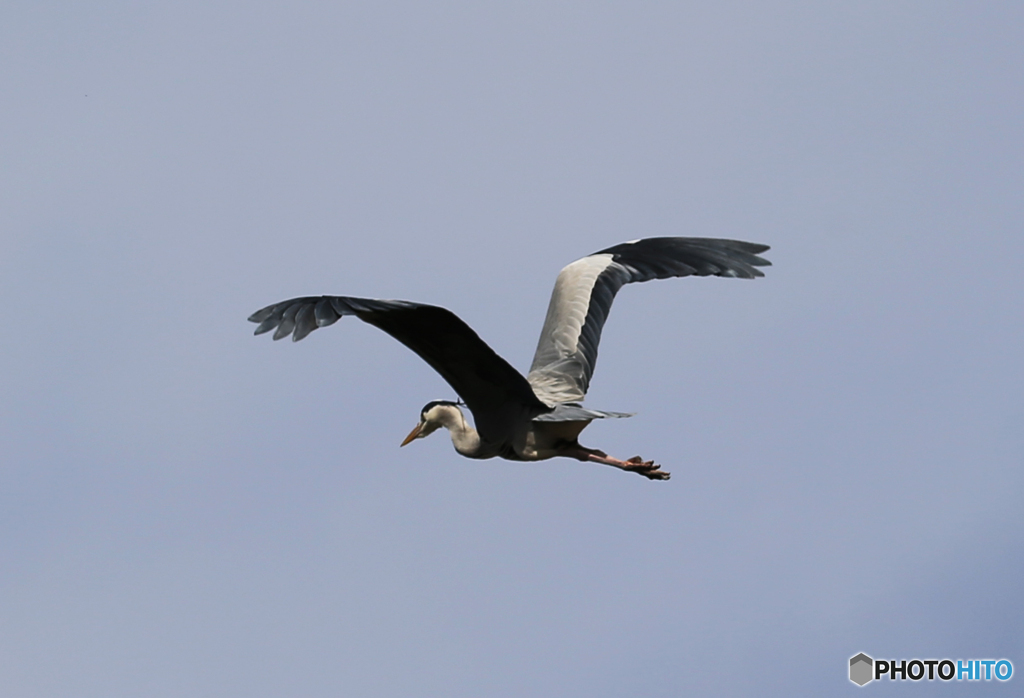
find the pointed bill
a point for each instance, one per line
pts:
(413, 434)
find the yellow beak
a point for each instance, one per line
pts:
(413, 434)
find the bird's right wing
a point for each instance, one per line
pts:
(486, 382)
(584, 291)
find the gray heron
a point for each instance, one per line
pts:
(541, 415)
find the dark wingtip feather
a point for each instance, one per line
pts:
(748, 247)
(754, 249)
(325, 314)
(264, 327)
(285, 328)
(263, 313)
(305, 322)
(739, 251)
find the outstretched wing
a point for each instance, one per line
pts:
(584, 291)
(485, 381)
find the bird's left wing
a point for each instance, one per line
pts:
(584, 291)
(485, 381)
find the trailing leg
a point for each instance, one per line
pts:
(636, 464)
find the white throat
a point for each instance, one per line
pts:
(464, 437)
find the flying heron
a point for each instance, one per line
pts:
(539, 416)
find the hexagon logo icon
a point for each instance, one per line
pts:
(861, 669)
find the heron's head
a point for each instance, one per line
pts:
(435, 414)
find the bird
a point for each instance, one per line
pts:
(540, 415)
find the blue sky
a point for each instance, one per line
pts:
(188, 510)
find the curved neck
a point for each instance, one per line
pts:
(464, 437)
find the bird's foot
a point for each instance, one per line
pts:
(649, 469)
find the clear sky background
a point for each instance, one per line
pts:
(187, 510)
